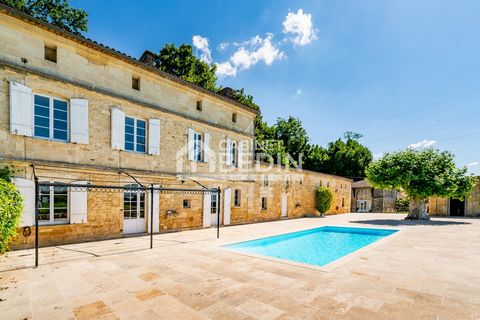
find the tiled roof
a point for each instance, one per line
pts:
(361, 184)
(113, 52)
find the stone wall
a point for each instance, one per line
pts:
(105, 210)
(440, 206)
(83, 63)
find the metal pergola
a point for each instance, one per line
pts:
(141, 188)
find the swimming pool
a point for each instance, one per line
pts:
(318, 246)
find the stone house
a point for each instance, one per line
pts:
(366, 198)
(75, 111)
(470, 207)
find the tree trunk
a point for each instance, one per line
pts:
(418, 209)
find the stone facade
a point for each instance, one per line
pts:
(470, 207)
(365, 198)
(85, 70)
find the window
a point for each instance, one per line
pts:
(265, 181)
(51, 118)
(236, 198)
(233, 154)
(264, 203)
(135, 134)
(214, 204)
(197, 147)
(135, 83)
(50, 53)
(53, 207)
(186, 203)
(234, 117)
(343, 202)
(133, 203)
(199, 105)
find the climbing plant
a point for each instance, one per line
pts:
(11, 207)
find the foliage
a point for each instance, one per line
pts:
(240, 96)
(181, 62)
(345, 157)
(293, 136)
(324, 199)
(5, 173)
(11, 207)
(55, 12)
(421, 174)
(316, 159)
(401, 204)
(348, 157)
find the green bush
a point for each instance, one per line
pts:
(324, 199)
(11, 207)
(401, 205)
(5, 173)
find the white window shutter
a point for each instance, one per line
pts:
(206, 147)
(27, 190)
(240, 150)
(228, 152)
(78, 203)
(118, 129)
(79, 121)
(190, 144)
(207, 202)
(227, 204)
(156, 211)
(21, 109)
(154, 137)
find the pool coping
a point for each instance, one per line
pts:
(329, 267)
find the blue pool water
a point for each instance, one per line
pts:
(318, 246)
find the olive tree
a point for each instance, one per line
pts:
(421, 174)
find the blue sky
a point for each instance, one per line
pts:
(399, 72)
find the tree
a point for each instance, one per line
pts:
(348, 158)
(181, 62)
(240, 96)
(55, 12)
(293, 136)
(324, 199)
(316, 159)
(421, 174)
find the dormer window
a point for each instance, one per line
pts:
(50, 53)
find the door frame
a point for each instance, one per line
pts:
(284, 205)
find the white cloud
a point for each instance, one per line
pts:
(201, 44)
(299, 91)
(251, 52)
(223, 46)
(473, 164)
(225, 69)
(297, 26)
(300, 26)
(422, 144)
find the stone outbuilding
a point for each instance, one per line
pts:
(470, 207)
(366, 198)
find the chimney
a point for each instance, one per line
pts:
(226, 92)
(148, 57)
